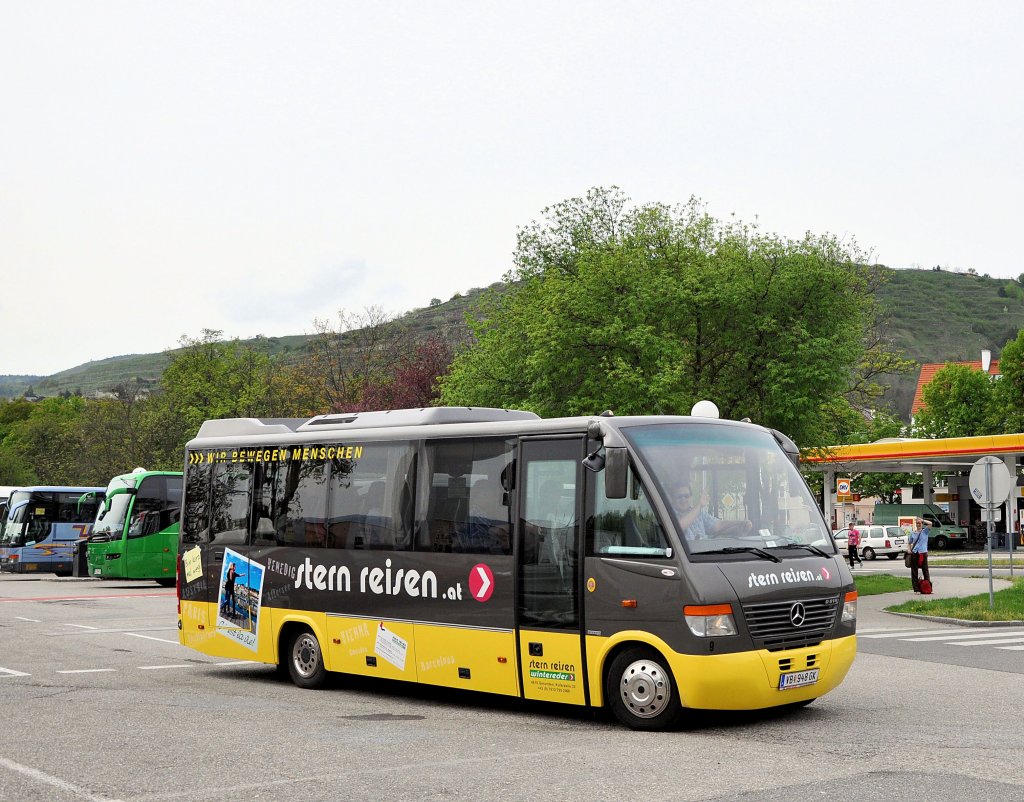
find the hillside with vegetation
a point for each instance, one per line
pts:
(933, 316)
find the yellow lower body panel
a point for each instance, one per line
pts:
(488, 656)
(738, 681)
(203, 629)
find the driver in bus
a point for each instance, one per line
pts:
(696, 522)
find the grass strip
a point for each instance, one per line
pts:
(1008, 605)
(873, 584)
(976, 562)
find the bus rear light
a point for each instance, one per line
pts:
(850, 607)
(710, 620)
(629, 602)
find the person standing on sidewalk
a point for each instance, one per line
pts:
(853, 546)
(919, 554)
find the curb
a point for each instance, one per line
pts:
(960, 622)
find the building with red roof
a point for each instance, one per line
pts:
(928, 371)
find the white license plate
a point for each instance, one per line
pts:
(798, 678)
(97, 571)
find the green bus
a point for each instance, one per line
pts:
(135, 535)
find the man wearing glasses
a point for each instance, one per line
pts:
(696, 522)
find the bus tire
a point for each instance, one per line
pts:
(305, 659)
(166, 581)
(941, 542)
(640, 690)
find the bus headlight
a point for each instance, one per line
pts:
(710, 620)
(850, 607)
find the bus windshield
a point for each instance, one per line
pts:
(110, 521)
(12, 527)
(730, 489)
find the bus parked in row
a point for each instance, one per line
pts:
(646, 564)
(135, 535)
(5, 493)
(43, 526)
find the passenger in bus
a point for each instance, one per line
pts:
(696, 522)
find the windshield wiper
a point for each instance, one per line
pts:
(744, 550)
(807, 546)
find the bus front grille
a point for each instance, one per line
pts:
(791, 624)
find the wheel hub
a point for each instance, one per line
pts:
(645, 688)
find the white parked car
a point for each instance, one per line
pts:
(878, 541)
(841, 537)
(875, 541)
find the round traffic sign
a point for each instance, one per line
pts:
(990, 482)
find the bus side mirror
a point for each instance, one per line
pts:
(791, 449)
(616, 471)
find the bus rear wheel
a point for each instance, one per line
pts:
(640, 691)
(305, 660)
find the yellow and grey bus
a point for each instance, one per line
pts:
(649, 564)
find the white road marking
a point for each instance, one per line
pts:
(954, 636)
(150, 637)
(236, 663)
(993, 642)
(54, 782)
(154, 668)
(1012, 648)
(10, 672)
(905, 632)
(86, 670)
(80, 626)
(30, 620)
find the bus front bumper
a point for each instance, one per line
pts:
(750, 680)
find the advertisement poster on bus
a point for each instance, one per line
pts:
(238, 603)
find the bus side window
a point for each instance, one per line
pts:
(229, 508)
(623, 527)
(468, 504)
(195, 523)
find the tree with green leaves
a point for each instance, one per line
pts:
(1009, 390)
(208, 377)
(49, 443)
(648, 309)
(959, 401)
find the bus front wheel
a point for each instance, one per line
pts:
(640, 691)
(305, 660)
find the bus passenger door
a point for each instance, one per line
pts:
(548, 570)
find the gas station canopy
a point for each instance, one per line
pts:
(905, 455)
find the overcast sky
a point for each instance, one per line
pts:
(250, 166)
